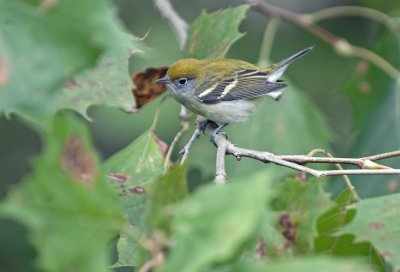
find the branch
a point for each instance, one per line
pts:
(183, 116)
(188, 146)
(341, 45)
(178, 136)
(297, 162)
(220, 174)
(346, 179)
(365, 12)
(177, 23)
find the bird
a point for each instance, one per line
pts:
(224, 90)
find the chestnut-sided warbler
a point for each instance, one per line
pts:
(225, 90)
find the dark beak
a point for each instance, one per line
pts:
(163, 80)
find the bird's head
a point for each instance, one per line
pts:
(181, 76)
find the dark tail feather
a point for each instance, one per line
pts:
(279, 68)
(293, 57)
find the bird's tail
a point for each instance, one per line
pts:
(280, 67)
(293, 57)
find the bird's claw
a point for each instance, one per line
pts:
(215, 133)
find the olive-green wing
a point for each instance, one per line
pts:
(243, 84)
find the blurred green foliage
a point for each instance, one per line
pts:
(67, 205)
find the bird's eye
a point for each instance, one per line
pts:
(182, 81)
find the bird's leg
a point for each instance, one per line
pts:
(218, 131)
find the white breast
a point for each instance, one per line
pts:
(228, 111)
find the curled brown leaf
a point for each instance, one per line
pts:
(146, 89)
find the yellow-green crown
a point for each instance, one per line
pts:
(184, 68)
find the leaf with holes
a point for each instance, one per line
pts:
(211, 35)
(108, 84)
(131, 171)
(299, 204)
(66, 203)
(377, 220)
(72, 36)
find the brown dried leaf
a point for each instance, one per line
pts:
(146, 89)
(77, 161)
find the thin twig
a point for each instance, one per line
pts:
(341, 45)
(155, 247)
(186, 149)
(383, 156)
(346, 178)
(267, 157)
(183, 116)
(178, 136)
(177, 23)
(365, 12)
(268, 39)
(153, 263)
(303, 159)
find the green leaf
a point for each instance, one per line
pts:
(42, 47)
(377, 221)
(140, 162)
(131, 171)
(107, 84)
(167, 190)
(211, 35)
(317, 263)
(70, 210)
(332, 221)
(156, 215)
(299, 204)
(215, 223)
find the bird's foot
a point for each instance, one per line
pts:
(218, 131)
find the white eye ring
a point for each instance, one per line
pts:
(182, 81)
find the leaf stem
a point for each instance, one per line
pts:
(268, 40)
(179, 25)
(346, 178)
